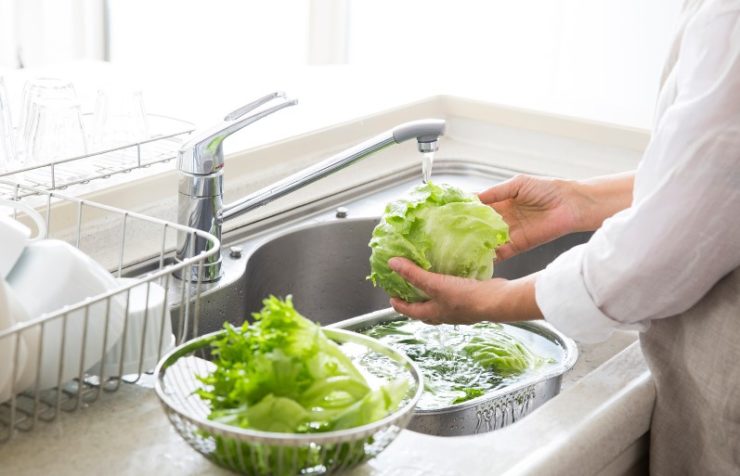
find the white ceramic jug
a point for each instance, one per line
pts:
(50, 275)
(14, 236)
(11, 363)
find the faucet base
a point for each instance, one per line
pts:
(211, 272)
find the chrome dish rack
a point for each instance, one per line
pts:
(161, 147)
(86, 224)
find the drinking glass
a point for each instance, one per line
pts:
(36, 90)
(55, 131)
(7, 142)
(119, 118)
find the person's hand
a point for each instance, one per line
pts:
(539, 210)
(457, 300)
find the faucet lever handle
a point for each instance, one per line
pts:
(202, 154)
(237, 113)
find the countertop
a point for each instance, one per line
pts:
(128, 434)
(603, 411)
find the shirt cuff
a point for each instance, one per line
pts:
(566, 303)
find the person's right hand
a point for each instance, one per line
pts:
(536, 209)
(539, 209)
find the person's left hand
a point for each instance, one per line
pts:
(455, 300)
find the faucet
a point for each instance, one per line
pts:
(200, 162)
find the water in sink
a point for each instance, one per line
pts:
(451, 376)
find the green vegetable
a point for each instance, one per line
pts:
(459, 363)
(501, 353)
(469, 394)
(441, 229)
(282, 374)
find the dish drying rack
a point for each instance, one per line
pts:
(161, 147)
(136, 236)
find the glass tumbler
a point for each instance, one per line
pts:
(7, 141)
(37, 90)
(55, 132)
(119, 118)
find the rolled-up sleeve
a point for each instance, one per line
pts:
(682, 233)
(567, 303)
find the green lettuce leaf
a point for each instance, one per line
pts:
(282, 374)
(440, 228)
(502, 353)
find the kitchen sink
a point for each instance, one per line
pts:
(321, 256)
(324, 267)
(318, 253)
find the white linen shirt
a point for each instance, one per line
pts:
(682, 232)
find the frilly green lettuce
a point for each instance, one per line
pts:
(282, 374)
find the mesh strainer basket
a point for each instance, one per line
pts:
(263, 453)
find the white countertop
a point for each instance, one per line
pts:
(128, 434)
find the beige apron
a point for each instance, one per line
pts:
(695, 361)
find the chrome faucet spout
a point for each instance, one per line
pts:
(425, 131)
(201, 188)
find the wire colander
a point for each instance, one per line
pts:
(263, 453)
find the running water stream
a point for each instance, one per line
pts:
(427, 162)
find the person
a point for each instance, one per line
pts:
(664, 258)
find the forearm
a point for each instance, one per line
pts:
(599, 198)
(518, 302)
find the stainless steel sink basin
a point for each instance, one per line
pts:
(324, 267)
(538, 258)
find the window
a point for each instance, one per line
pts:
(245, 36)
(559, 48)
